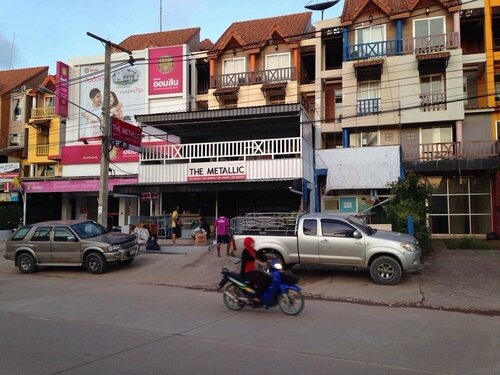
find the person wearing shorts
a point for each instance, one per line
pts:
(222, 230)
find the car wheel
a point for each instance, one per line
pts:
(385, 270)
(126, 262)
(95, 263)
(26, 263)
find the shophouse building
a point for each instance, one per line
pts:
(249, 144)
(411, 94)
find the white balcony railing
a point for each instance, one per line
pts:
(279, 148)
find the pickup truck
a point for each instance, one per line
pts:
(329, 239)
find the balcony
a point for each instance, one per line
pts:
(367, 107)
(450, 150)
(258, 159)
(252, 78)
(368, 50)
(42, 150)
(433, 102)
(431, 44)
(43, 113)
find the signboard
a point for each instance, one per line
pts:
(127, 95)
(127, 134)
(226, 171)
(166, 69)
(61, 186)
(62, 77)
(9, 170)
(91, 154)
(9, 197)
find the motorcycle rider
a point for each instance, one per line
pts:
(249, 260)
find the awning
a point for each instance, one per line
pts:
(428, 60)
(274, 88)
(361, 167)
(368, 69)
(227, 92)
(137, 189)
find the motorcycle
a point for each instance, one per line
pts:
(280, 291)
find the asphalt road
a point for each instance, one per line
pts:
(52, 324)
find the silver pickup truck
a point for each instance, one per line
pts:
(330, 239)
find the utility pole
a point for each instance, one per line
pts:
(102, 204)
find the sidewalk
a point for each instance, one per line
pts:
(455, 280)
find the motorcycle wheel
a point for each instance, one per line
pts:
(291, 302)
(230, 296)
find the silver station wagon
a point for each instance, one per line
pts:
(69, 243)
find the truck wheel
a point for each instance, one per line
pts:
(26, 263)
(95, 263)
(385, 270)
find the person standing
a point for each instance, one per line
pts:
(176, 225)
(222, 231)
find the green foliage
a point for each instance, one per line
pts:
(411, 195)
(10, 214)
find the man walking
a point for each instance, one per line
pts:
(222, 230)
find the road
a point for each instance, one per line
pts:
(56, 325)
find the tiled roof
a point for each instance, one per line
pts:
(10, 79)
(255, 33)
(352, 8)
(160, 39)
(206, 44)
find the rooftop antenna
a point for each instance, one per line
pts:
(11, 51)
(161, 9)
(317, 5)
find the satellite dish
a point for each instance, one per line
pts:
(316, 5)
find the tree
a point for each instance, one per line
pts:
(410, 198)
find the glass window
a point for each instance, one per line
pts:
(459, 224)
(21, 233)
(278, 61)
(16, 110)
(481, 224)
(61, 234)
(431, 84)
(439, 204)
(332, 228)
(232, 66)
(88, 229)
(459, 185)
(428, 27)
(439, 224)
(310, 227)
(459, 204)
(480, 204)
(479, 185)
(368, 90)
(41, 234)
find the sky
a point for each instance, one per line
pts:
(37, 33)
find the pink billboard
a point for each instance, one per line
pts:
(166, 69)
(62, 76)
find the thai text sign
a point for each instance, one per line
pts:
(226, 171)
(165, 70)
(62, 77)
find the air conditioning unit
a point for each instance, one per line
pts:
(14, 140)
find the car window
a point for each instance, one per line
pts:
(21, 233)
(61, 234)
(88, 229)
(310, 227)
(333, 228)
(41, 234)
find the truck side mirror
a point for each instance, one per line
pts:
(356, 234)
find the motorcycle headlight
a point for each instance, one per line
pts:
(113, 248)
(408, 246)
(277, 266)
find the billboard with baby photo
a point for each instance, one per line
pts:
(127, 96)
